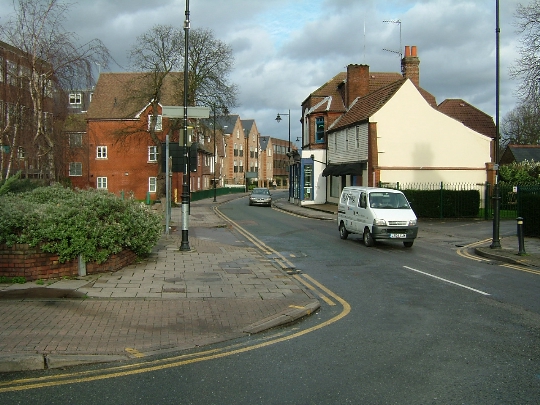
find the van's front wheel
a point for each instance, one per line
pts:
(368, 238)
(343, 233)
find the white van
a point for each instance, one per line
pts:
(376, 213)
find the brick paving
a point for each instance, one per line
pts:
(217, 291)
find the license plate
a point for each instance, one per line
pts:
(398, 235)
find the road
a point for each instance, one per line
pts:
(396, 326)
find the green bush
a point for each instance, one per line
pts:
(70, 223)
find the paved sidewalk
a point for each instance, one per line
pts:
(222, 289)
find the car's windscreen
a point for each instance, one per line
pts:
(261, 191)
(388, 200)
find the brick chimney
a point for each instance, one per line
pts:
(357, 82)
(410, 65)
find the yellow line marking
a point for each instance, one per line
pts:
(296, 306)
(259, 244)
(322, 296)
(80, 377)
(463, 253)
(134, 352)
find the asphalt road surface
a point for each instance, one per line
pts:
(420, 325)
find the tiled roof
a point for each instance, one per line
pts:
(469, 115)
(123, 95)
(364, 107)
(520, 153)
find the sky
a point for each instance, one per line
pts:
(286, 49)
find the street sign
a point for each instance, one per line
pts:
(176, 111)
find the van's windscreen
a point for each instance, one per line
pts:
(388, 200)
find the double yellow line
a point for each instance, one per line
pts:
(463, 252)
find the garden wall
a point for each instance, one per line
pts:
(33, 264)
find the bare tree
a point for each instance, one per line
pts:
(527, 67)
(521, 126)
(55, 61)
(160, 52)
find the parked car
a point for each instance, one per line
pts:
(260, 196)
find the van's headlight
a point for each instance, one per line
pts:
(412, 222)
(379, 222)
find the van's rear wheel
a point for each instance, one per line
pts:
(343, 233)
(408, 243)
(368, 238)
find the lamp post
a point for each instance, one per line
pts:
(215, 161)
(496, 242)
(184, 246)
(278, 119)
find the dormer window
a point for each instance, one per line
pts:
(75, 98)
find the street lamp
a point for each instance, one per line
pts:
(215, 160)
(278, 119)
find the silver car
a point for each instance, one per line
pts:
(260, 196)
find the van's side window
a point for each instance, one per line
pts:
(362, 201)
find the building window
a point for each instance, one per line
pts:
(357, 136)
(152, 184)
(102, 183)
(152, 154)
(159, 123)
(319, 130)
(308, 182)
(75, 169)
(235, 166)
(101, 152)
(75, 140)
(20, 153)
(235, 150)
(75, 98)
(241, 152)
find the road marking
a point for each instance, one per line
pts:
(521, 268)
(177, 361)
(134, 352)
(464, 253)
(447, 281)
(267, 250)
(308, 285)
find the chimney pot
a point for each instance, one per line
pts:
(414, 52)
(407, 51)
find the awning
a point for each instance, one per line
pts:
(344, 169)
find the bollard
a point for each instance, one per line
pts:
(521, 241)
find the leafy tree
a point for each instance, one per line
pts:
(520, 173)
(55, 59)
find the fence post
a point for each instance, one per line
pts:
(441, 201)
(486, 199)
(521, 239)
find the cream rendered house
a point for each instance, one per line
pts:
(396, 133)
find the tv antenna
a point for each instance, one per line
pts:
(400, 47)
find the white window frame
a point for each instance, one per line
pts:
(152, 154)
(101, 183)
(75, 169)
(152, 184)
(101, 152)
(159, 122)
(75, 98)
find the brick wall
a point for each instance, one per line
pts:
(33, 264)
